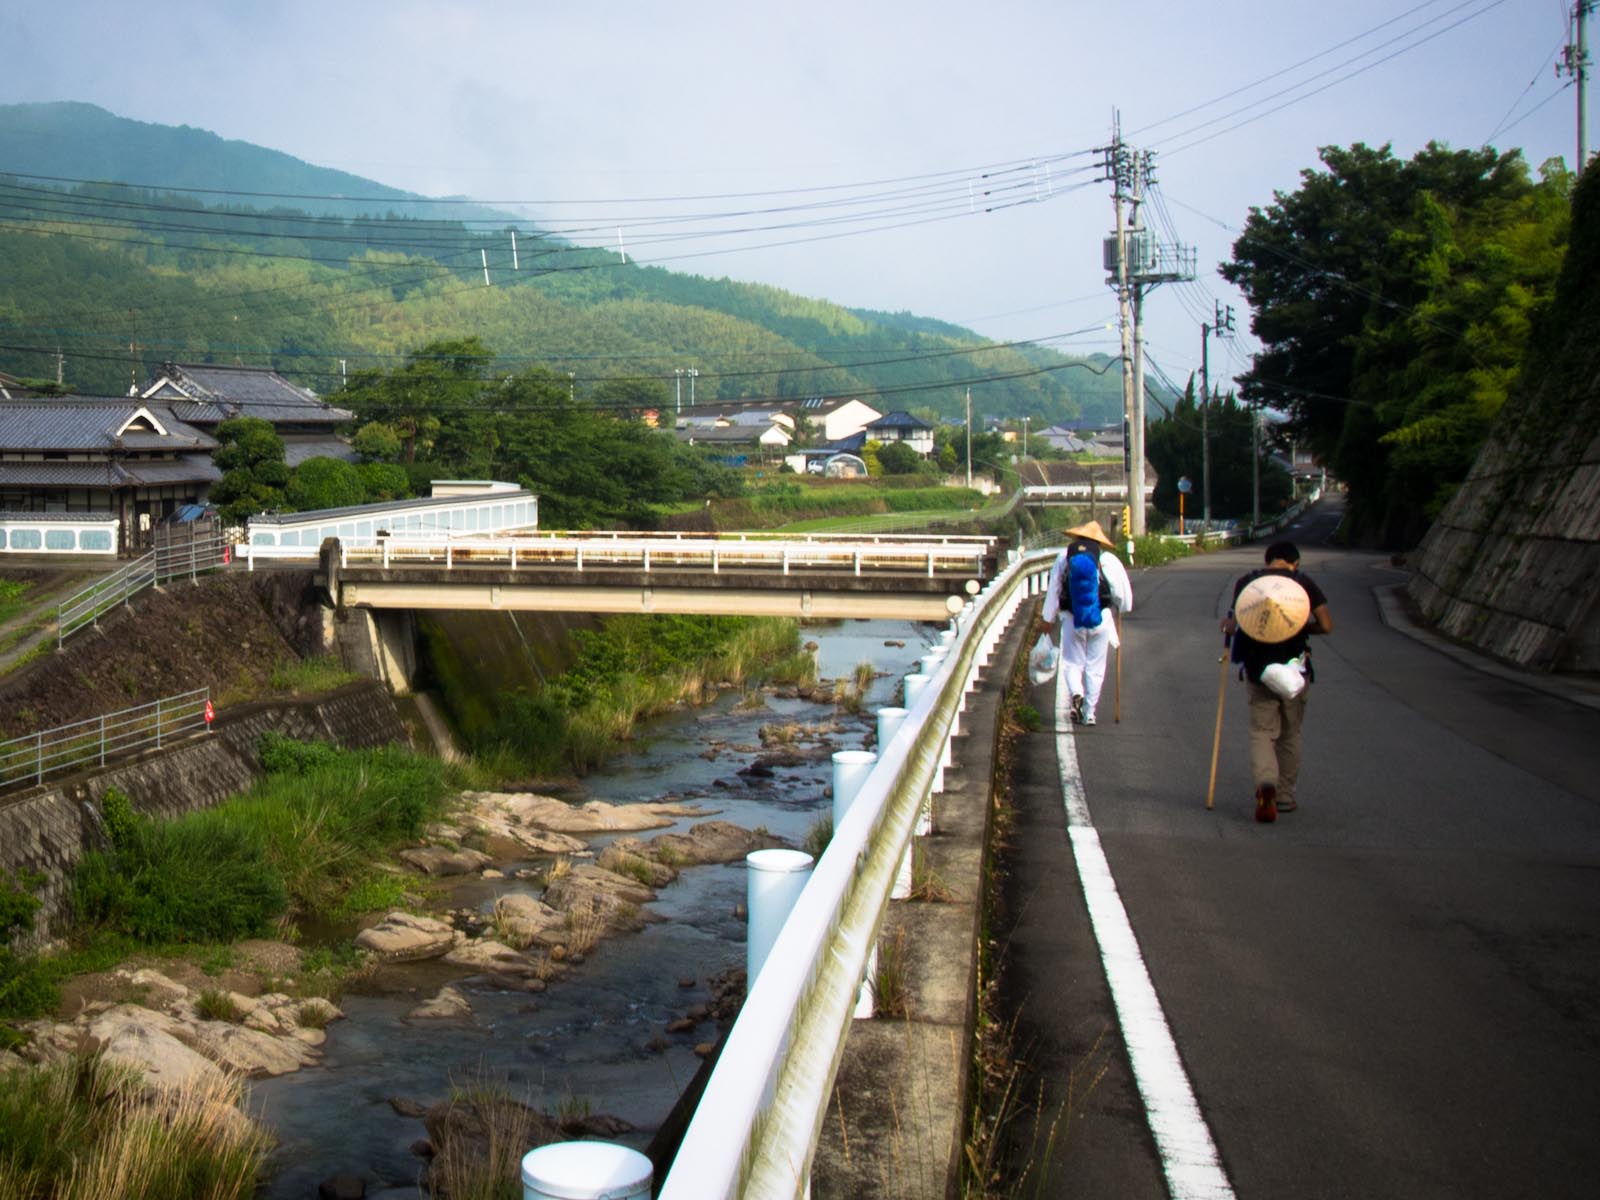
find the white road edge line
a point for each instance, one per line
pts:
(1183, 1139)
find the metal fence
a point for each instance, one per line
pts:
(185, 556)
(26, 760)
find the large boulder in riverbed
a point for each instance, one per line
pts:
(589, 893)
(631, 857)
(491, 956)
(149, 1042)
(546, 812)
(521, 920)
(441, 860)
(709, 842)
(449, 1004)
(251, 1052)
(404, 937)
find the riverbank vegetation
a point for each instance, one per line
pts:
(304, 844)
(85, 1129)
(630, 668)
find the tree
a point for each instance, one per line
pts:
(897, 458)
(1392, 300)
(1174, 447)
(325, 483)
(254, 475)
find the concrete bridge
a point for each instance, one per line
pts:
(827, 577)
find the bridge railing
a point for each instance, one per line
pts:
(754, 1130)
(645, 552)
(25, 761)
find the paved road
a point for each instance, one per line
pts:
(1394, 991)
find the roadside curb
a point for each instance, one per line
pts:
(1392, 611)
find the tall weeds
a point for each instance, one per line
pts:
(633, 668)
(83, 1129)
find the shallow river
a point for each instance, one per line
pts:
(586, 1039)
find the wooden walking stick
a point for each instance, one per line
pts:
(1216, 740)
(1116, 708)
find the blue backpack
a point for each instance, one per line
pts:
(1084, 586)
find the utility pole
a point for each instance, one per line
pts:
(1205, 428)
(1118, 166)
(678, 371)
(693, 373)
(1575, 62)
(1024, 438)
(1221, 326)
(1151, 263)
(969, 437)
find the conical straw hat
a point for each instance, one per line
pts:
(1092, 531)
(1272, 608)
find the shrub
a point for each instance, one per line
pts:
(202, 878)
(280, 754)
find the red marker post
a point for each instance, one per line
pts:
(211, 714)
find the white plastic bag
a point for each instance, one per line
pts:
(1042, 660)
(1286, 679)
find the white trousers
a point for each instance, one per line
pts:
(1083, 657)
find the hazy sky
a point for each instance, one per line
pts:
(615, 108)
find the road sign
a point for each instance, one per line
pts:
(1185, 485)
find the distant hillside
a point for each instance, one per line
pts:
(70, 140)
(102, 283)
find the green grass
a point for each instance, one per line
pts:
(14, 598)
(301, 842)
(311, 675)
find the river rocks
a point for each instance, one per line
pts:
(448, 1004)
(710, 842)
(441, 860)
(490, 956)
(250, 1051)
(521, 920)
(597, 816)
(403, 937)
(148, 1041)
(630, 857)
(594, 901)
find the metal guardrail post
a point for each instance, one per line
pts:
(102, 739)
(39, 757)
(158, 724)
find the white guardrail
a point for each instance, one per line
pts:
(644, 552)
(755, 1128)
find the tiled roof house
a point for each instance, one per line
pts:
(206, 395)
(82, 454)
(901, 426)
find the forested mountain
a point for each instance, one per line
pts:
(100, 282)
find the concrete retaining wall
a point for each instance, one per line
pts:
(48, 829)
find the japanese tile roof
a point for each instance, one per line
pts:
(899, 419)
(91, 423)
(190, 468)
(297, 449)
(208, 394)
(731, 435)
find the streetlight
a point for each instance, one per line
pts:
(678, 371)
(693, 374)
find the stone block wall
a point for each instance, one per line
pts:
(48, 829)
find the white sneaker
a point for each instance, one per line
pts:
(1088, 717)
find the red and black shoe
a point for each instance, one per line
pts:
(1267, 803)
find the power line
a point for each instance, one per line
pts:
(1491, 5)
